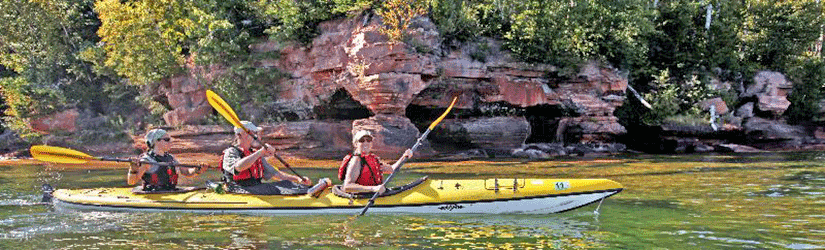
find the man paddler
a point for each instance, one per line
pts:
(245, 168)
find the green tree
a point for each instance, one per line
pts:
(777, 33)
(297, 20)
(145, 41)
(683, 45)
(567, 33)
(808, 91)
(39, 46)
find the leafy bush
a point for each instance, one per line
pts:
(149, 40)
(245, 84)
(808, 91)
(296, 20)
(568, 33)
(353, 7)
(776, 34)
(398, 14)
(24, 101)
(455, 19)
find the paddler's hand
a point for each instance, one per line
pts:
(380, 189)
(268, 150)
(134, 163)
(144, 167)
(202, 168)
(306, 181)
(408, 154)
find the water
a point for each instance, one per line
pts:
(763, 201)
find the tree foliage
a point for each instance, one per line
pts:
(297, 20)
(145, 41)
(398, 14)
(39, 46)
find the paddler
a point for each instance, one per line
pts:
(362, 171)
(156, 177)
(245, 168)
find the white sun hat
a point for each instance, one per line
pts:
(249, 126)
(360, 134)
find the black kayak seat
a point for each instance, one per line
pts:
(339, 191)
(139, 190)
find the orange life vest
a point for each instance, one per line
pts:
(371, 174)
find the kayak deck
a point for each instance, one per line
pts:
(431, 196)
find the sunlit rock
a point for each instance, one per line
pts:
(392, 134)
(63, 121)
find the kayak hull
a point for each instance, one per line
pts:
(489, 196)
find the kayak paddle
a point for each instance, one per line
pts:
(71, 156)
(226, 111)
(414, 147)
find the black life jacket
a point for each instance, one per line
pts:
(160, 178)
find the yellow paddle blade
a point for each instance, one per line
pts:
(223, 108)
(443, 115)
(59, 155)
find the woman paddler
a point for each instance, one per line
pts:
(362, 171)
(155, 177)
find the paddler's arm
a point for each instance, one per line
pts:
(190, 172)
(136, 170)
(246, 162)
(407, 155)
(271, 172)
(353, 170)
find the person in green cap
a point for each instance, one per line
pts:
(158, 178)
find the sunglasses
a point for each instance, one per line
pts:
(165, 139)
(365, 139)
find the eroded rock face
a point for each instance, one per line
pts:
(387, 93)
(10, 141)
(64, 121)
(771, 89)
(187, 98)
(760, 129)
(385, 77)
(392, 134)
(746, 111)
(311, 139)
(717, 103)
(497, 135)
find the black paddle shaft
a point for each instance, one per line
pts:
(166, 164)
(276, 156)
(389, 178)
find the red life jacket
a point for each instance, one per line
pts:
(256, 171)
(371, 174)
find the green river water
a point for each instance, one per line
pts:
(752, 201)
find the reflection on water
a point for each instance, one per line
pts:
(673, 202)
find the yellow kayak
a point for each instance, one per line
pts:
(489, 196)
